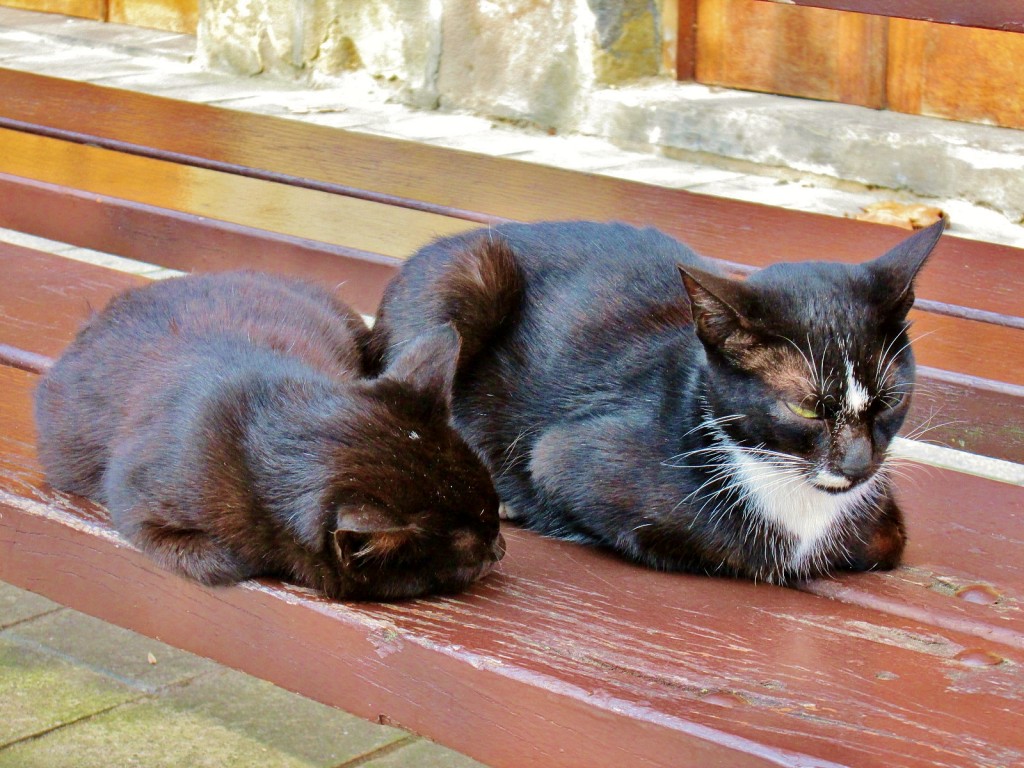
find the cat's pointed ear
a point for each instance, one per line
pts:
(429, 361)
(720, 306)
(362, 532)
(893, 273)
(367, 519)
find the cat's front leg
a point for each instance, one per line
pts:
(880, 548)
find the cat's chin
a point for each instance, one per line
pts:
(834, 484)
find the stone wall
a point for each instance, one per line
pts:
(533, 60)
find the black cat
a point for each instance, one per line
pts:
(637, 400)
(225, 422)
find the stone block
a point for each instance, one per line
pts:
(39, 692)
(138, 661)
(224, 720)
(17, 605)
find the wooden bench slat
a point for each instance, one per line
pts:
(1006, 15)
(271, 206)
(963, 273)
(702, 670)
(186, 241)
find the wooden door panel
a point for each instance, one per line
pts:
(171, 15)
(956, 72)
(86, 9)
(808, 52)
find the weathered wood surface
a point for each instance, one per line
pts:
(46, 298)
(567, 657)
(964, 275)
(1006, 15)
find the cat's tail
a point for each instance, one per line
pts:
(481, 292)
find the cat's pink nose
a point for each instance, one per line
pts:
(498, 548)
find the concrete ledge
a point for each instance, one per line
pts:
(923, 155)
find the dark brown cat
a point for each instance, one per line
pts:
(226, 422)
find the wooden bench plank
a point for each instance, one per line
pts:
(963, 273)
(53, 295)
(186, 241)
(271, 206)
(1006, 15)
(712, 672)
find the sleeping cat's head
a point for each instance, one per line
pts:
(810, 365)
(412, 509)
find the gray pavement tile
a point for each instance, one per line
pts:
(39, 692)
(433, 125)
(675, 174)
(580, 153)
(494, 141)
(220, 721)
(125, 656)
(17, 605)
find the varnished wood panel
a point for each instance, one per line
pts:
(720, 672)
(187, 242)
(271, 206)
(87, 9)
(963, 273)
(806, 52)
(1005, 15)
(172, 15)
(956, 72)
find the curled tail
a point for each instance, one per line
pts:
(480, 293)
(471, 281)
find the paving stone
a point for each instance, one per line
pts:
(17, 605)
(76, 64)
(675, 174)
(494, 141)
(581, 153)
(431, 126)
(39, 692)
(422, 754)
(109, 650)
(226, 720)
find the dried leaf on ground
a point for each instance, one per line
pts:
(905, 215)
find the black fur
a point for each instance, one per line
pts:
(226, 423)
(631, 397)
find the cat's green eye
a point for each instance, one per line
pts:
(802, 411)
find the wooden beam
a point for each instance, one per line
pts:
(1006, 15)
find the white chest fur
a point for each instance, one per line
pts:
(783, 496)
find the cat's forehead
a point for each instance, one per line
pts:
(824, 299)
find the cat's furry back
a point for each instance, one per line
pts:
(226, 422)
(637, 400)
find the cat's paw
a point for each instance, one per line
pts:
(883, 549)
(505, 512)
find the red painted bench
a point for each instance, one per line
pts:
(567, 657)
